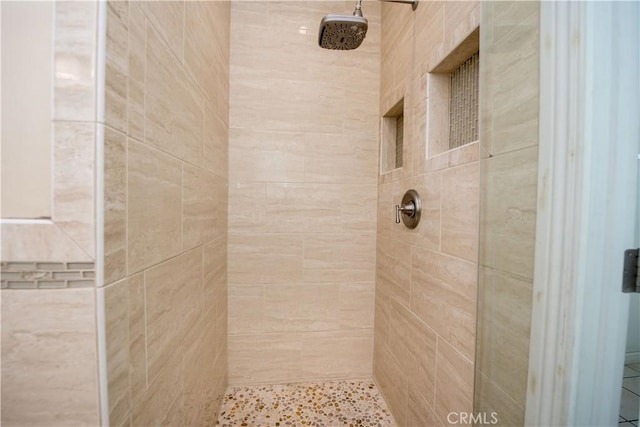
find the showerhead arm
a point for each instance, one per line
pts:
(413, 3)
(358, 10)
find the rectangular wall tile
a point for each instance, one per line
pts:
(393, 271)
(339, 258)
(266, 156)
(299, 208)
(117, 65)
(174, 107)
(137, 337)
(200, 206)
(115, 206)
(504, 335)
(339, 354)
(460, 196)
(154, 200)
(275, 258)
(49, 358)
(73, 187)
(74, 62)
(173, 292)
(509, 185)
(264, 358)
(443, 295)
(454, 377)
(117, 331)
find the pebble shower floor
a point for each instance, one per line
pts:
(325, 404)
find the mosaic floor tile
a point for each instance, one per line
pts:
(326, 404)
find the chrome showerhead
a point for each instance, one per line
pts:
(342, 32)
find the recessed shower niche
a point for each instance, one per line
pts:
(391, 138)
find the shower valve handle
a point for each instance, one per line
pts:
(408, 209)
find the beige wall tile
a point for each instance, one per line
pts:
(330, 208)
(266, 156)
(49, 360)
(116, 299)
(264, 358)
(162, 403)
(339, 258)
(200, 203)
(460, 196)
(337, 354)
(73, 187)
(246, 309)
(202, 52)
(503, 356)
(392, 381)
(443, 295)
(74, 61)
(168, 19)
(247, 206)
(508, 213)
(173, 292)
(419, 410)
(265, 258)
(491, 399)
(214, 269)
(357, 301)
(393, 272)
(341, 158)
(137, 337)
(511, 79)
(199, 393)
(38, 242)
(115, 206)
(153, 206)
(137, 58)
(454, 377)
(174, 106)
(117, 65)
(381, 319)
(216, 142)
(413, 344)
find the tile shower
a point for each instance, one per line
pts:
(248, 243)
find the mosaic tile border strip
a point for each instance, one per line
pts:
(47, 275)
(350, 403)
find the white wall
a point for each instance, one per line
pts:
(27, 56)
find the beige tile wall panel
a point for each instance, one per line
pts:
(303, 160)
(49, 360)
(166, 204)
(426, 278)
(509, 113)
